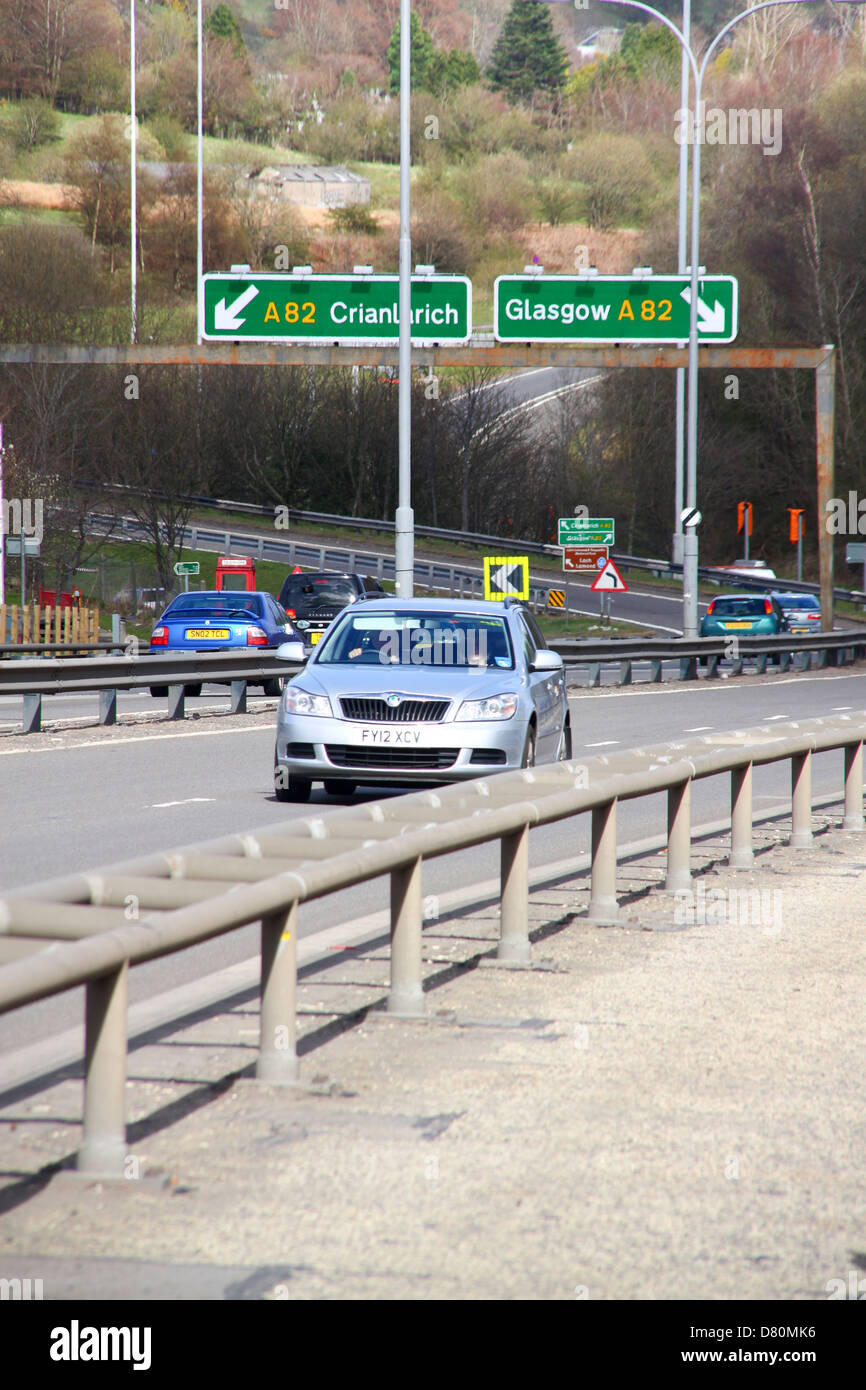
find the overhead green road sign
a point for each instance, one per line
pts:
(334, 309)
(612, 309)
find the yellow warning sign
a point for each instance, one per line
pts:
(506, 576)
(556, 598)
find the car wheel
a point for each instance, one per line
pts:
(565, 742)
(335, 786)
(294, 789)
(159, 692)
(273, 686)
(529, 748)
(192, 689)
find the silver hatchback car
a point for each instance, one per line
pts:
(421, 691)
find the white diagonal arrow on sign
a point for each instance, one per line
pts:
(709, 320)
(228, 317)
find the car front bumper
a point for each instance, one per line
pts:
(337, 749)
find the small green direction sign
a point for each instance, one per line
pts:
(338, 309)
(187, 567)
(612, 308)
(586, 530)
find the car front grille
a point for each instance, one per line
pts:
(375, 711)
(351, 755)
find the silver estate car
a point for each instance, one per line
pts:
(418, 691)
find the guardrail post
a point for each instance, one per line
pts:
(688, 668)
(108, 706)
(321, 557)
(761, 664)
(656, 671)
(784, 659)
(175, 701)
(514, 945)
(260, 548)
(193, 538)
(594, 674)
(853, 818)
(31, 718)
(603, 906)
(239, 697)
(801, 800)
(228, 543)
(742, 854)
(406, 994)
(679, 874)
(625, 673)
(103, 1142)
(712, 666)
(278, 1057)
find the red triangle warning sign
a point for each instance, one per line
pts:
(609, 580)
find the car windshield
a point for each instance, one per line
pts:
(303, 589)
(206, 605)
(416, 639)
(740, 608)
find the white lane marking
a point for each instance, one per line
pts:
(699, 729)
(604, 743)
(841, 709)
(142, 738)
(770, 717)
(162, 805)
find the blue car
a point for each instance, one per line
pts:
(221, 620)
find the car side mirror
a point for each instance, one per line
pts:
(291, 651)
(546, 660)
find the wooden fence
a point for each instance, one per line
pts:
(70, 627)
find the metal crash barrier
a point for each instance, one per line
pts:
(80, 935)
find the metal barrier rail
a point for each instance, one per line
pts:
(830, 648)
(81, 933)
(107, 675)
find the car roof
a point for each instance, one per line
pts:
(327, 574)
(223, 593)
(485, 607)
(721, 597)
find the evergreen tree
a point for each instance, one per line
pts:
(527, 57)
(421, 53)
(222, 23)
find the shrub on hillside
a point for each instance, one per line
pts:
(171, 136)
(32, 123)
(354, 217)
(618, 179)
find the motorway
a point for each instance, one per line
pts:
(85, 798)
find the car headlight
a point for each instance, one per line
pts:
(494, 707)
(296, 701)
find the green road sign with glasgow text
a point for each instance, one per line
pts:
(612, 309)
(333, 309)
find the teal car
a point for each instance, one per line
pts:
(750, 615)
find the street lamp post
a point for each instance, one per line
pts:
(404, 549)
